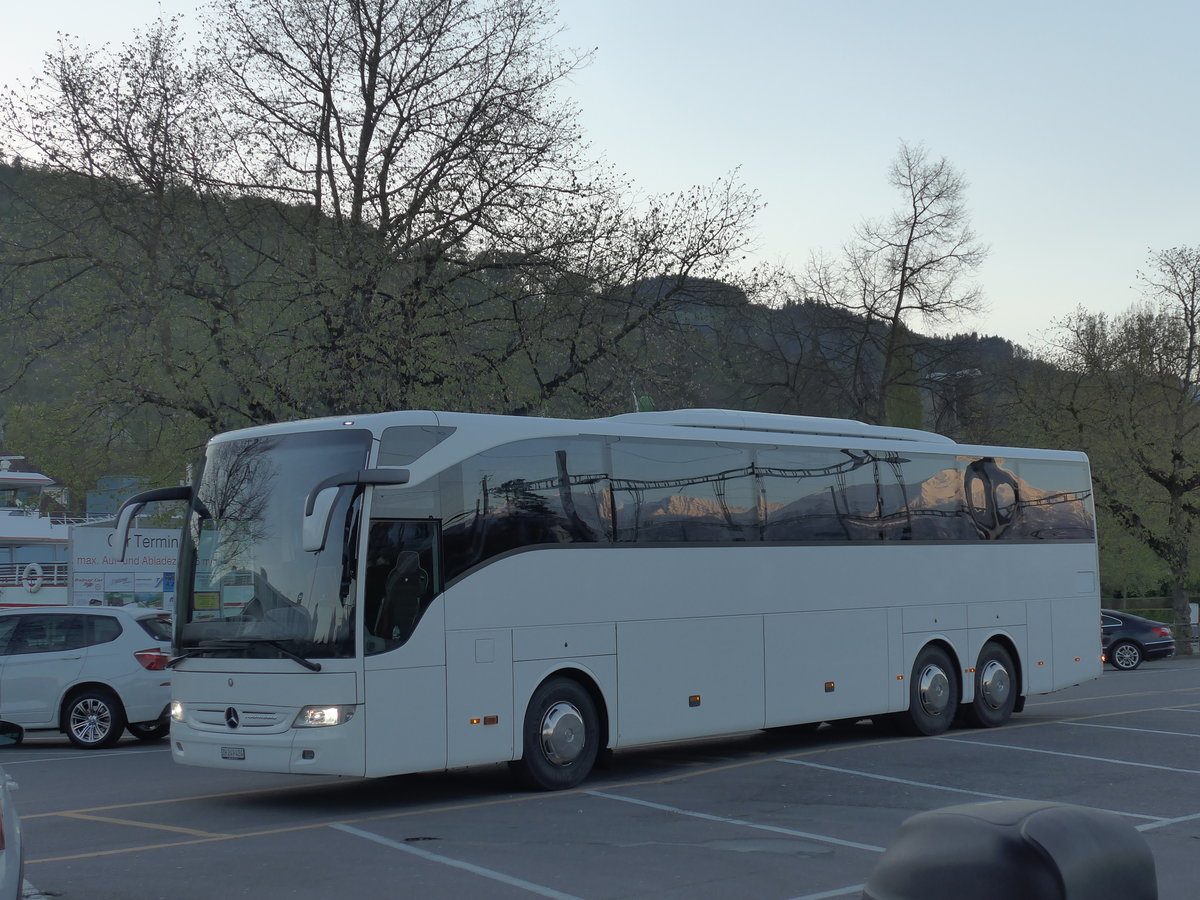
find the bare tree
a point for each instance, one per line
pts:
(908, 269)
(1126, 391)
(342, 205)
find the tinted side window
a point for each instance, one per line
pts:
(8, 625)
(936, 499)
(50, 633)
(104, 629)
(680, 491)
(403, 575)
(402, 444)
(540, 491)
(593, 489)
(819, 494)
(1053, 500)
(158, 627)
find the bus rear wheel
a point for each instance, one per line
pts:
(995, 688)
(561, 736)
(932, 694)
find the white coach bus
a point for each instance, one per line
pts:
(415, 591)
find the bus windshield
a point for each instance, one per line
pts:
(247, 588)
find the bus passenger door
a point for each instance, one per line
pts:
(404, 665)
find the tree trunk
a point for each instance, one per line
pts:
(1183, 612)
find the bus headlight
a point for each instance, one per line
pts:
(319, 716)
(176, 711)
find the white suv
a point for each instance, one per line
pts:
(91, 672)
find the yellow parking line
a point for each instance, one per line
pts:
(165, 800)
(98, 853)
(195, 832)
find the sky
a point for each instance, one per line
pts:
(1074, 123)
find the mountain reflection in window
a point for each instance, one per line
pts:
(541, 491)
(1049, 501)
(834, 495)
(596, 490)
(683, 491)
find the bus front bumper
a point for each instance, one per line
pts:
(328, 750)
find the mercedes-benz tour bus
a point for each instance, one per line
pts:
(415, 591)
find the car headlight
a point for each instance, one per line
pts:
(176, 711)
(320, 716)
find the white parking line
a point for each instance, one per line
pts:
(1163, 823)
(776, 829)
(837, 892)
(1103, 759)
(9, 763)
(940, 787)
(458, 864)
(1129, 728)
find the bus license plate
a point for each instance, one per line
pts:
(233, 753)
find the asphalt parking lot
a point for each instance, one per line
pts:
(791, 814)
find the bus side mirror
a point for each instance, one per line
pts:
(133, 505)
(318, 507)
(316, 521)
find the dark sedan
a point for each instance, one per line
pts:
(1126, 639)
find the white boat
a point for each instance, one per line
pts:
(33, 547)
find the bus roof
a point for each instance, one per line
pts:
(730, 419)
(724, 419)
(477, 431)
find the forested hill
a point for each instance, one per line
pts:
(115, 309)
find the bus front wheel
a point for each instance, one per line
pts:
(560, 736)
(932, 694)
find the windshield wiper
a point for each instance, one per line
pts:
(235, 643)
(187, 654)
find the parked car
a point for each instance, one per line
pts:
(12, 849)
(1126, 640)
(90, 672)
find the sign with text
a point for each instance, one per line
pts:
(146, 577)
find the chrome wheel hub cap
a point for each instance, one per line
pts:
(933, 687)
(562, 733)
(994, 684)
